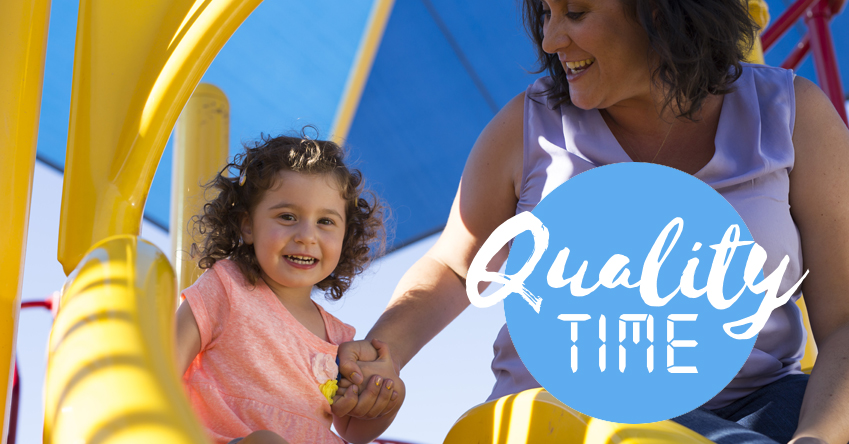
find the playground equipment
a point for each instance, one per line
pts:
(201, 147)
(24, 39)
(137, 63)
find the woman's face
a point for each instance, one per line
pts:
(604, 52)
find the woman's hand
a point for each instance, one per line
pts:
(349, 354)
(806, 440)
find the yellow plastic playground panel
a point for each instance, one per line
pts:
(534, 416)
(111, 375)
(201, 148)
(759, 11)
(136, 64)
(23, 39)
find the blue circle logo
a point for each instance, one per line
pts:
(633, 292)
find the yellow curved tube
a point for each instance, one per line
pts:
(534, 416)
(201, 148)
(23, 40)
(111, 374)
(135, 65)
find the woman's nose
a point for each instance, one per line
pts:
(555, 38)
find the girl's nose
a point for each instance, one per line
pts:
(306, 234)
(555, 38)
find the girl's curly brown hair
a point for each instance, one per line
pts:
(700, 45)
(257, 167)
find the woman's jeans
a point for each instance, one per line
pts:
(766, 416)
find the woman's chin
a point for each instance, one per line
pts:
(582, 101)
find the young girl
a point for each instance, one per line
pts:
(257, 354)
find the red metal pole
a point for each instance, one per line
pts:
(13, 414)
(784, 22)
(824, 58)
(799, 52)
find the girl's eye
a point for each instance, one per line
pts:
(327, 222)
(575, 15)
(546, 14)
(287, 216)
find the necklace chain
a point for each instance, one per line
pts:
(636, 158)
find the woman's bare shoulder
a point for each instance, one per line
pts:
(502, 142)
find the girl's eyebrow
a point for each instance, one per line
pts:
(293, 206)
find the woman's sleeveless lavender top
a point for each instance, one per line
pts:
(754, 156)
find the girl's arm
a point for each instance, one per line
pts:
(432, 293)
(819, 199)
(358, 430)
(188, 337)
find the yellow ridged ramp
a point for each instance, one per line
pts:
(534, 416)
(111, 376)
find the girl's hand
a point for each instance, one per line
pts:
(345, 399)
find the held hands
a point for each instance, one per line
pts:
(384, 391)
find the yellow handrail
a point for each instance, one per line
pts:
(201, 148)
(23, 39)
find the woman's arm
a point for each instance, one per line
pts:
(819, 199)
(188, 337)
(432, 293)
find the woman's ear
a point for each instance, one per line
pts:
(245, 227)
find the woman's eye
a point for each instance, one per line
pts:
(575, 15)
(546, 14)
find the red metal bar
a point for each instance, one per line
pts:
(799, 52)
(824, 57)
(48, 304)
(13, 413)
(784, 22)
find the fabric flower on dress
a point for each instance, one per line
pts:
(328, 389)
(324, 369)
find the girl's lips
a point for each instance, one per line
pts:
(299, 265)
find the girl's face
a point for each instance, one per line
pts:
(297, 230)
(603, 51)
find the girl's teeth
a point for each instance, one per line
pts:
(301, 260)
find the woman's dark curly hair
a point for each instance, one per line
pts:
(258, 167)
(700, 44)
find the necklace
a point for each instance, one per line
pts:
(637, 159)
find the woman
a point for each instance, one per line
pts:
(662, 81)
